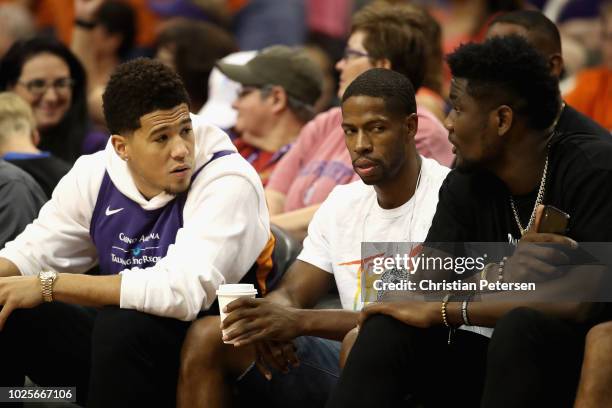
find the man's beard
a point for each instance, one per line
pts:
(176, 190)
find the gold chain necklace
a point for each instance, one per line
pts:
(538, 201)
(540, 196)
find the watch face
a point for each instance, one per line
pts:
(47, 275)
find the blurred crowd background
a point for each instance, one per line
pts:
(73, 46)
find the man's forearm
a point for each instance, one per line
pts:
(488, 313)
(275, 201)
(327, 323)
(88, 290)
(7, 268)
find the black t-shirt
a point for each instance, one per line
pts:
(47, 171)
(476, 207)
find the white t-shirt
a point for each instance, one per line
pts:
(351, 215)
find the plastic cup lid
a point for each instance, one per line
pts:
(237, 289)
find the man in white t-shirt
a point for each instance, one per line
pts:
(295, 348)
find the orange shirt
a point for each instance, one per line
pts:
(593, 95)
(59, 14)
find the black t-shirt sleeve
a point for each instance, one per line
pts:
(588, 194)
(453, 220)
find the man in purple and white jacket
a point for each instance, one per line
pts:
(169, 212)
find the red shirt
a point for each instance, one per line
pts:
(263, 161)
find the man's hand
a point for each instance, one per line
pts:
(278, 355)
(252, 320)
(417, 314)
(18, 292)
(538, 255)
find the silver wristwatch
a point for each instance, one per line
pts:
(47, 279)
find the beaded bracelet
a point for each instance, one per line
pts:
(444, 316)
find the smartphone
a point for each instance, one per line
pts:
(554, 221)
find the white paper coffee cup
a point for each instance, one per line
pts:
(230, 292)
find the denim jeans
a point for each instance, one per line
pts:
(307, 385)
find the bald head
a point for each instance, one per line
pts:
(537, 29)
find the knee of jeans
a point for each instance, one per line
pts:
(203, 344)
(347, 345)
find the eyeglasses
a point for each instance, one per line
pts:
(38, 87)
(350, 53)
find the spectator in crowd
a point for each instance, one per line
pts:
(191, 48)
(576, 19)
(15, 24)
(592, 94)
(169, 211)
(103, 36)
(18, 137)
(222, 93)
(382, 36)
(279, 89)
(262, 23)
(505, 103)
(50, 78)
(328, 94)
(20, 200)
(394, 201)
(431, 94)
(544, 36)
(466, 21)
(537, 29)
(56, 17)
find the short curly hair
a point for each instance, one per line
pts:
(394, 88)
(139, 87)
(508, 71)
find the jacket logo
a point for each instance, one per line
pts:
(111, 212)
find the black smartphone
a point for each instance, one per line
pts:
(554, 221)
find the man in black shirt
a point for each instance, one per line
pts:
(17, 134)
(504, 105)
(503, 366)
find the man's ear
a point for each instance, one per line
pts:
(382, 63)
(35, 137)
(120, 144)
(555, 64)
(411, 124)
(504, 116)
(278, 97)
